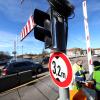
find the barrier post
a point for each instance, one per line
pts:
(87, 38)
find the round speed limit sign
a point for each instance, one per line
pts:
(60, 69)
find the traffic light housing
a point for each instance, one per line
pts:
(42, 30)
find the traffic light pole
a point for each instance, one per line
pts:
(61, 43)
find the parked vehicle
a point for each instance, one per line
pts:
(19, 66)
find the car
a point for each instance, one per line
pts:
(19, 66)
(3, 62)
(45, 60)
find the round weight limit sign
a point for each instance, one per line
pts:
(60, 69)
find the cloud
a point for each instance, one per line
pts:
(30, 44)
(5, 46)
(7, 36)
(18, 12)
(6, 40)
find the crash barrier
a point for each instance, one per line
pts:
(11, 81)
(90, 93)
(25, 77)
(8, 82)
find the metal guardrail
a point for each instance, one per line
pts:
(11, 81)
(3, 93)
(25, 77)
(8, 82)
(90, 93)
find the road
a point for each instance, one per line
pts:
(85, 61)
(43, 89)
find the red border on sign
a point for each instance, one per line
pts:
(68, 80)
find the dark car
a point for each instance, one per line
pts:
(19, 66)
(45, 60)
(3, 62)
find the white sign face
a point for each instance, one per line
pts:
(59, 69)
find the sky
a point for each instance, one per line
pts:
(14, 15)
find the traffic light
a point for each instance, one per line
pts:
(42, 30)
(63, 7)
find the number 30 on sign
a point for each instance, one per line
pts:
(60, 69)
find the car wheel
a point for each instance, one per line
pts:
(39, 70)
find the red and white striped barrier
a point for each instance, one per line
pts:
(87, 37)
(28, 27)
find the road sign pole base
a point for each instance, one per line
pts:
(63, 94)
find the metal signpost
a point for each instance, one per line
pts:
(61, 73)
(60, 36)
(61, 43)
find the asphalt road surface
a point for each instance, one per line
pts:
(44, 89)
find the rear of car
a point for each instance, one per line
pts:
(16, 67)
(5, 69)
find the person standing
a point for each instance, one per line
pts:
(78, 76)
(79, 73)
(95, 78)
